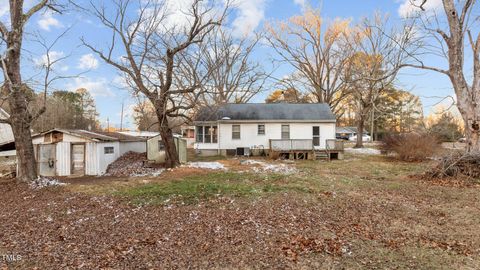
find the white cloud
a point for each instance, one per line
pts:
(250, 14)
(47, 21)
(51, 60)
(176, 11)
(301, 3)
(88, 61)
(407, 8)
(98, 87)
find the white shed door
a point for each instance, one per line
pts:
(46, 159)
(78, 159)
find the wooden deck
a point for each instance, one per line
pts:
(304, 149)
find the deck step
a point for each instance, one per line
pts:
(319, 154)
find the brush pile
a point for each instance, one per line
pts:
(132, 164)
(457, 165)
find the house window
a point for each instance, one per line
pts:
(199, 134)
(285, 132)
(161, 146)
(108, 150)
(316, 136)
(207, 134)
(236, 132)
(261, 130)
(214, 134)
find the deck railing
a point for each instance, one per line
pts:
(291, 145)
(336, 145)
(303, 145)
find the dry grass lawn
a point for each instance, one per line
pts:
(361, 213)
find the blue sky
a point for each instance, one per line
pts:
(102, 80)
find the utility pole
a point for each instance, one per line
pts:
(108, 124)
(121, 119)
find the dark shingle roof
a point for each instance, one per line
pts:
(346, 130)
(269, 112)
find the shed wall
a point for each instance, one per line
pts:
(91, 159)
(139, 147)
(63, 158)
(154, 154)
(105, 159)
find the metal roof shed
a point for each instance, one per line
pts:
(63, 152)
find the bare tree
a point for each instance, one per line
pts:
(379, 53)
(235, 77)
(450, 41)
(15, 91)
(314, 48)
(152, 52)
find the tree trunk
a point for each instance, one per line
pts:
(472, 127)
(171, 155)
(360, 128)
(27, 167)
(20, 118)
(20, 123)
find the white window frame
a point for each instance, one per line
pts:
(258, 130)
(239, 132)
(204, 134)
(107, 152)
(282, 132)
(315, 136)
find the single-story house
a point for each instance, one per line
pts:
(156, 149)
(237, 129)
(62, 152)
(344, 133)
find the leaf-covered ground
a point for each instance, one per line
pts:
(361, 213)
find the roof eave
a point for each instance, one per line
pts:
(268, 121)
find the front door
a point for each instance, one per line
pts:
(78, 159)
(46, 159)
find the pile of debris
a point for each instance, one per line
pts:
(263, 167)
(207, 165)
(132, 164)
(42, 182)
(457, 165)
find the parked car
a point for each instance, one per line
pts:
(342, 137)
(365, 138)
